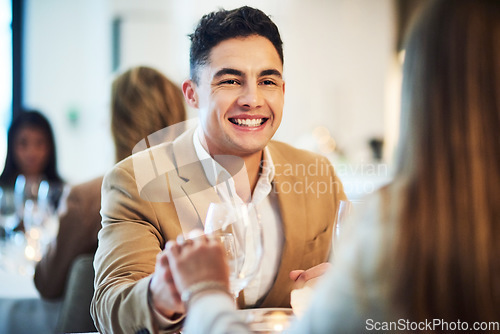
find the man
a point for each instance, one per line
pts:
(237, 85)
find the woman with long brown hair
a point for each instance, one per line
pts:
(422, 255)
(447, 258)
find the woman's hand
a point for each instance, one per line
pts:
(301, 277)
(197, 260)
(165, 297)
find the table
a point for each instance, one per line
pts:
(21, 308)
(17, 285)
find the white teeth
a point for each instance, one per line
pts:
(249, 122)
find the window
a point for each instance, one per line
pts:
(6, 77)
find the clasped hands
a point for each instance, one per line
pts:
(185, 263)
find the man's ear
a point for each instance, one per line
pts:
(188, 88)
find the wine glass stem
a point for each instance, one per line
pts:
(235, 298)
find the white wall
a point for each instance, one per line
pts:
(67, 71)
(337, 58)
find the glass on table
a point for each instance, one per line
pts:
(8, 217)
(32, 201)
(8, 222)
(13, 243)
(34, 208)
(238, 228)
(345, 211)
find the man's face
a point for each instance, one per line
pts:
(240, 96)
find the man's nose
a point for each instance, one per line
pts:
(250, 97)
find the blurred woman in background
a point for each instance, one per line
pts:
(143, 101)
(31, 150)
(31, 158)
(425, 248)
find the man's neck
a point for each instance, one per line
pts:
(245, 182)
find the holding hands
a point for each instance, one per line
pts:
(189, 268)
(185, 268)
(301, 277)
(197, 260)
(165, 297)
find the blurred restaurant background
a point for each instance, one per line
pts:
(342, 72)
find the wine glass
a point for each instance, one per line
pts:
(10, 245)
(33, 206)
(344, 214)
(239, 230)
(8, 217)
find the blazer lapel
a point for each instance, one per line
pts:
(197, 193)
(293, 215)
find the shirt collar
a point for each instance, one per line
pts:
(214, 170)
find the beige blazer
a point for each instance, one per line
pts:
(144, 196)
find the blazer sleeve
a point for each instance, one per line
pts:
(129, 241)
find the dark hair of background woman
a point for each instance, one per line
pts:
(33, 119)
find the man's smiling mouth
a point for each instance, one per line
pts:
(246, 122)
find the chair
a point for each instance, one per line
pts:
(75, 310)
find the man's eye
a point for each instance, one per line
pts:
(268, 82)
(229, 82)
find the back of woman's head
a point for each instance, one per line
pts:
(143, 102)
(448, 258)
(31, 119)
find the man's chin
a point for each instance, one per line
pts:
(252, 144)
(245, 150)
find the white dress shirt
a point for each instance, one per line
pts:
(266, 203)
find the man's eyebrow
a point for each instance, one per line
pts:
(270, 72)
(225, 71)
(232, 71)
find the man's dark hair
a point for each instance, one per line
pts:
(221, 25)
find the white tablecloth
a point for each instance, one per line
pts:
(21, 308)
(16, 285)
